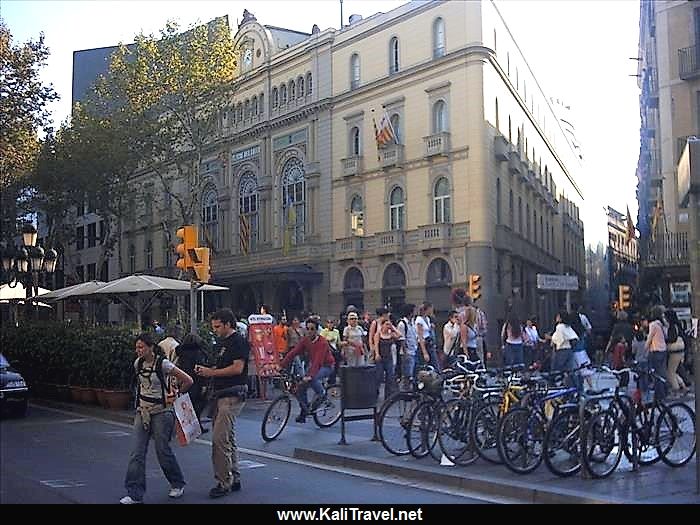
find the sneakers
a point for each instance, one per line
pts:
(175, 492)
(301, 418)
(236, 486)
(127, 500)
(220, 491)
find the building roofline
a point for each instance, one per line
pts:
(285, 29)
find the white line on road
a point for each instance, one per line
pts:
(61, 483)
(430, 487)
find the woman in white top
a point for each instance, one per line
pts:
(426, 344)
(531, 342)
(564, 340)
(450, 335)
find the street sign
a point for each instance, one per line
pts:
(557, 282)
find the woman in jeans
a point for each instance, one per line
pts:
(155, 418)
(512, 335)
(564, 340)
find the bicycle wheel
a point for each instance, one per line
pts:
(328, 414)
(421, 435)
(645, 422)
(562, 444)
(520, 438)
(484, 431)
(454, 432)
(394, 420)
(276, 418)
(675, 434)
(602, 444)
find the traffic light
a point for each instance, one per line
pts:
(624, 293)
(200, 262)
(188, 234)
(474, 286)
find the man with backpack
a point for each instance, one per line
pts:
(229, 390)
(155, 418)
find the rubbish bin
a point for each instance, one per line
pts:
(358, 386)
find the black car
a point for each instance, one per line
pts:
(13, 390)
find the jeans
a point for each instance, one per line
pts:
(562, 361)
(528, 354)
(161, 429)
(513, 354)
(657, 362)
(432, 353)
(297, 367)
(385, 367)
(408, 366)
(316, 384)
(224, 451)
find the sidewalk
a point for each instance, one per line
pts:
(653, 484)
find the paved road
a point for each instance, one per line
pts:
(60, 457)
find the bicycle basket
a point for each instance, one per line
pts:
(429, 381)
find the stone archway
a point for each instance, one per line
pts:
(353, 289)
(290, 298)
(394, 287)
(438, 287)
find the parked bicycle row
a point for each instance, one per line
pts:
(521, 418)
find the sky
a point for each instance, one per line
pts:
(579, 50)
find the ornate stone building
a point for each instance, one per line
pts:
(305, 212)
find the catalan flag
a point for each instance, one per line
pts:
(244, 234)
(384, 134)
(631, 234)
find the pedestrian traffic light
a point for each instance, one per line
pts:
(201, 264)
(474, 286)
(624, 293)
(188, 234)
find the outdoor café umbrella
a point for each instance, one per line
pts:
(146, 289)
(76, 290)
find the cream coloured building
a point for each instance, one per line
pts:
(482, 178)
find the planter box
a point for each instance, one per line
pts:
(118, 399)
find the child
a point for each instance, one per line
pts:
(618, 354)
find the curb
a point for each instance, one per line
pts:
(525, 493)
(121, 416)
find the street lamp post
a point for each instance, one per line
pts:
(25, 264)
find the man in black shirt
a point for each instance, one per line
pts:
(229, 380)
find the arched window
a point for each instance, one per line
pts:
(168, 253)
(353, 280)
(132, 258)
(275, 98)
(149, 255)
(256, 109)
(292, 90)
(355, 141)
(262, 103)
(357, 216)
(441, 200)
(294, 199)
(300, 87)
(210, 218)
(394, 287)
(394, 55)
(246, 109)
(396, 209)
(520, 215)
(239, 112)
(283, 95)
(248, 213)
(439, 116)
(438, 38)
(309, 85)
(527, 221)
(354, 71)
(439, 273)
(511, 211)
(396, 125)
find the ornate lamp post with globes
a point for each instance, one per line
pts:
(26, 263)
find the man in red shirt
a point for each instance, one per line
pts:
(320, 366)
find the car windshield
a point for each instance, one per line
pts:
(3, 362)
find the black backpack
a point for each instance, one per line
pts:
(672, 334)
(158, 369)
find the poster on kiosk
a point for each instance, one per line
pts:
(262, 344)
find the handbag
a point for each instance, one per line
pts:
(677, 346)
(187, 424)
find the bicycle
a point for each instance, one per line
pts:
(326, 412)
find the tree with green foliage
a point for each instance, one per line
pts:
(166, 94)
(23, 112)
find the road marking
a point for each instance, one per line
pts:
(59, 422)
(430, 487)
(246, 463)
(61, 483)
(116, 433)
